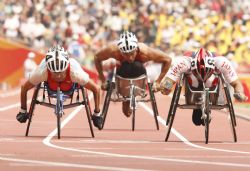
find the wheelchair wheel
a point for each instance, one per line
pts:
(111, 86)
(231, 113)
(32, 108)
(154, 105)
(133, 104)
(173, 108)
(87, 109)
(206, 112)
(58, 113)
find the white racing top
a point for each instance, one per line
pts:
(182, 65)
(77, 74)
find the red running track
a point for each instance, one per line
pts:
(116, 147)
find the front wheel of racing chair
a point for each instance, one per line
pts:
(206, 111)
(230, 108)
(133, 106)
(173, 106)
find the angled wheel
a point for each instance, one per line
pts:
(88, 110)
(154, 105)
(173, 108)
(231, 113)
(32, 108)
(111, 86)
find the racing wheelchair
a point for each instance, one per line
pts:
(133, 90)
(58, 105)
(205, 99)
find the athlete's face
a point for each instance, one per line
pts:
(58, 76)
(130, 57)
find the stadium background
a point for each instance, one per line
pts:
(84, 26)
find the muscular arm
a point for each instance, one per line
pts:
(24, 90)
(96, 91)
(102, 55)
(158, 56)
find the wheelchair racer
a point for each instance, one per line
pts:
(59, 70)
(131, 55)
(200, 67)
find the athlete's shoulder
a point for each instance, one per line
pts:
(188, 53)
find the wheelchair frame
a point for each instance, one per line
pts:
(205, 106)
(59, 106)
(133, 90)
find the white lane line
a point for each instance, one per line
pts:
(12, 93)
(47, 142)
(182, 138)
(70, 165)
(12, 106)
(62, 164)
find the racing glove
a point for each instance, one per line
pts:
(22, 116)
(97, 119)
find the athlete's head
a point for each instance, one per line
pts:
(57, 59)
(128, 44)
(202, 64)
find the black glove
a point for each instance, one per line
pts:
(97, 120)
(22, 117)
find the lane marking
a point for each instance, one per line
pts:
(12, 93)
(47, 142)
(182, 138)
(62, 164)
(12, 106)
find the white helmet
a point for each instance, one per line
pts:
(127, 42)
(57, 59)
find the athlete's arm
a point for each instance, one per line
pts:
(158, 56)
(101, 55)
(78, 75)
(96, 92)
(179, 66)
(226, 68)
(24, 90)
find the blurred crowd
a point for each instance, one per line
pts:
(84, 26)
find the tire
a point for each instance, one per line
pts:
(207, 112)
(111, 86)
(172, 110)
(32, 108)
(87, 109)
(133, 108)
(154, 105)
(231, 114)
(58, 115)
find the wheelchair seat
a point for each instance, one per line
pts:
(193, 94)
(123, 85)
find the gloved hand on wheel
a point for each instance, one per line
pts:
(97, 119)
(22, 116)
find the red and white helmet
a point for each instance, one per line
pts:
(57, 59)
(127, 42)
(202, 64)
